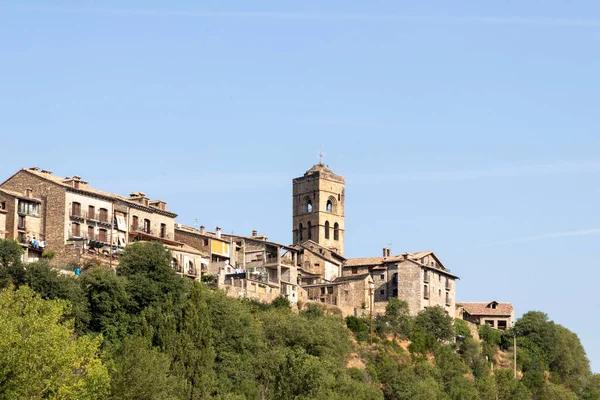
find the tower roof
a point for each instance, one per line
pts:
(319, 167)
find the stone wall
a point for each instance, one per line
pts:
(52, 211)
(195, 240)
(410, 285)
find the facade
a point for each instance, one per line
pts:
(315, 261)
(216, 247)
(496, 315)
(259, 267)
(418, 278)
(318, 208)
(353, 295)
(76, 221)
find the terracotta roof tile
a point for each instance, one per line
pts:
(485, 308)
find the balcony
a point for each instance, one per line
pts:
(98, 217)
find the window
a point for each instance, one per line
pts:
(326, 229)
(91, 212)
(336, 231)
(308, 206)
(28, 207)
(76, 209)
(447, 298)
(447, 284)
(382, 292)
(490, 322)
(440, 292)
(329, 206)
(354, 270)
(426, 276)
(2, 205)
(191, 270)
(21, 222)
(502, 325)
(330, 290)
(300, 227)
(102, 236)
(175, 264)
(103, 215)
(205, 242)
(309, 228)
(425, 291)
(382, 277)
(90, 234)
(135, 222)
(395, 293)
(75, 232)
(322, 290)
(147, 225)
(163, 230)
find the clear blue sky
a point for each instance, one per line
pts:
(465, 128)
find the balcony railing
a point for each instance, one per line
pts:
(152, 232)
(90, 216)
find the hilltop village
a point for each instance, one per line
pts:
(72, 221)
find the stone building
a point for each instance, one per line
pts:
(77, 221)
(214, 245)
(263, 269)
(317, 264)
(353, 295)
(418, 278)
(20, 220)
(497, 315)
(318, 208)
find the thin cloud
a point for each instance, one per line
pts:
(527, 171)
(423, 19)
(554, 235)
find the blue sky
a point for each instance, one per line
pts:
(466, 128)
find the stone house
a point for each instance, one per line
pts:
(418, 278)
(263, 269)
(214, 245)
(353, 294)
(317, 263)
(20, 220)
(77, 221)
(495, 314)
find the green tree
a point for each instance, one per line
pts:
(281, 302)
(359, 326)
(435, 320)
(592, 388)
(10, 253)
(147, 267)
(140, 372)
(40, 357)
(461, 328)
(108, 301)
(396, 319)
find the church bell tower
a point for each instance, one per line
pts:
(318, 208)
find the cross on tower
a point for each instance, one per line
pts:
(321, 156)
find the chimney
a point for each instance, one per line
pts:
(161, 205)
(35, 168)
(387, 251)
(218, 232)
(45, 171)
(405, 256)
(202, 229)
(254, 233)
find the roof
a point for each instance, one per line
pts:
(87, 189)
(410, 257)
(194, 231)
(187, 249)
(307, 243)
(349, 278)
(18, 195)
(323, 171)
(483, 309)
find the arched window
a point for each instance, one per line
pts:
(326, 229)
(191, 268)
(309, 228)
(336, 231)
(175, 264)
(309, 206)
(329, 206)
(300, 227)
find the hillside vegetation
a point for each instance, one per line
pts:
(146, 333)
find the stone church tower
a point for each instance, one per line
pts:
(318, 213)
